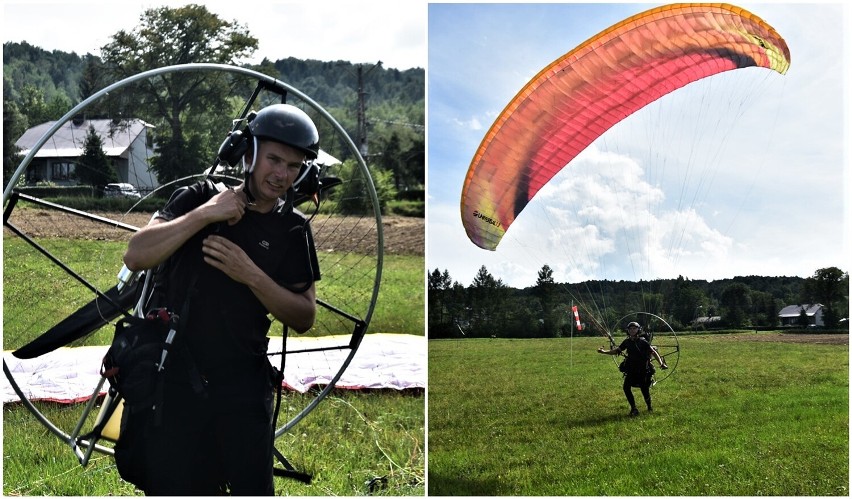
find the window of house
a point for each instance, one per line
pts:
(62, 170)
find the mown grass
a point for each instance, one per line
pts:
(548, 417)
(399, 307)
(348, 441)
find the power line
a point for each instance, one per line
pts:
(415, 126)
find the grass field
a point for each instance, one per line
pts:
(350, 439)
(353, 443)
(399, 307)
(548, 417)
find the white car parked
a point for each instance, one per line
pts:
(126, 190)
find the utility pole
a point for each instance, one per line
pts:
(362, 116)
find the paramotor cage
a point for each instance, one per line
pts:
(660, 335)
(131, 292)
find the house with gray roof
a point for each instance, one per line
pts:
(789, 315)
(127, 143)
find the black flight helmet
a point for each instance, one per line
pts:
(288, 125)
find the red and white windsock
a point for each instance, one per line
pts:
(577, 318)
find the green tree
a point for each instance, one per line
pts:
(764, 309)
(93, 167)
(830, 287)
(352, 198)
(401, 144)
(457, 309)
(383, 183)
(546, 292)
(14, 125)
(57, 106)
(390, 159)
(486, 299)
(803, 320)
(34, 105)
(439, 294)
(188, 105)
(736, 303)
(92, 78)
(413, 168)
(684, 302)
(54, 73)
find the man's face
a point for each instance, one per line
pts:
(276, 168)
(632, 330)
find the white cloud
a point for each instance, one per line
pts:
(470, 124)
(600, 218)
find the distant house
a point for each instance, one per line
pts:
(127, 143)
(790, 315)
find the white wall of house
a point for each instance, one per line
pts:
(818, 319)
(138, 167)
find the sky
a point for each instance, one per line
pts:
(358, 32)
(741, 175)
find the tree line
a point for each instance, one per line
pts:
(489, 308)
(41, 86)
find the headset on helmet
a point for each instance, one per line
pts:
(282, 123)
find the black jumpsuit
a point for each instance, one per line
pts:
(220, 439)
(637, 369)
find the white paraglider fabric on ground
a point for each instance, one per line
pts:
(383, 361)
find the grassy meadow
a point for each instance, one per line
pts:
(548, 417)
(350, 439)
(399, 307)
(353, 443)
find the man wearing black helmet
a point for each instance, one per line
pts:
(235, 256)
(637, 365)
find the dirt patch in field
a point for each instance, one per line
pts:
(815, 338)
(402, 235)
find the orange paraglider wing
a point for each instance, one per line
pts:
(578, 97)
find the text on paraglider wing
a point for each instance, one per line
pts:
(486, 218)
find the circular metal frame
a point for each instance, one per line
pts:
(669, 348)
(370, 191)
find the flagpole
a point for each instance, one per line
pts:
(572, 334)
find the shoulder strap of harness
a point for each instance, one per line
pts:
(214, 188)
